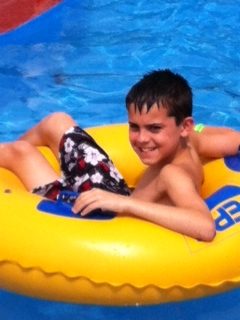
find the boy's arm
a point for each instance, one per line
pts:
(189, 215)
(215, 142)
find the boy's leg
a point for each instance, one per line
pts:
(49, 131)
(27, 163)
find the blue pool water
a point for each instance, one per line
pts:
(221, 307)
(82, 57)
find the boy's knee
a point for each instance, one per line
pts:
(55, 125)
(19, 148)
(52, 128)
(12, 153)
(58, 119)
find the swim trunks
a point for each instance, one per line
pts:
(84, 165)
(199, 127)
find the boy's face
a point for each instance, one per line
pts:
(154, 135)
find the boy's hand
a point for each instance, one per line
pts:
(98, 199)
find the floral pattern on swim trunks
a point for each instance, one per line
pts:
(84, 165)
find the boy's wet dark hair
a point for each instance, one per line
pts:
(165, 88)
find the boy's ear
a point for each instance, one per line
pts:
(187, 126)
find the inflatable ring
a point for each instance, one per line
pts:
(117, 260)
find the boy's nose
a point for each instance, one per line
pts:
(142, 136)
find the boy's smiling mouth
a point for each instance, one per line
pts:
(146, 149)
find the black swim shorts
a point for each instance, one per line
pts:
(84, 165)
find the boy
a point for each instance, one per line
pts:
(161, 133)
(160, 124)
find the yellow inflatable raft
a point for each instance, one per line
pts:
(119, 260)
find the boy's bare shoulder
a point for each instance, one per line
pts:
(173, 172)
(180, 176)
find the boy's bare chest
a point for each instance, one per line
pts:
(150, 188)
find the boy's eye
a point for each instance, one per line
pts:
(133, 127)
(154, 128)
